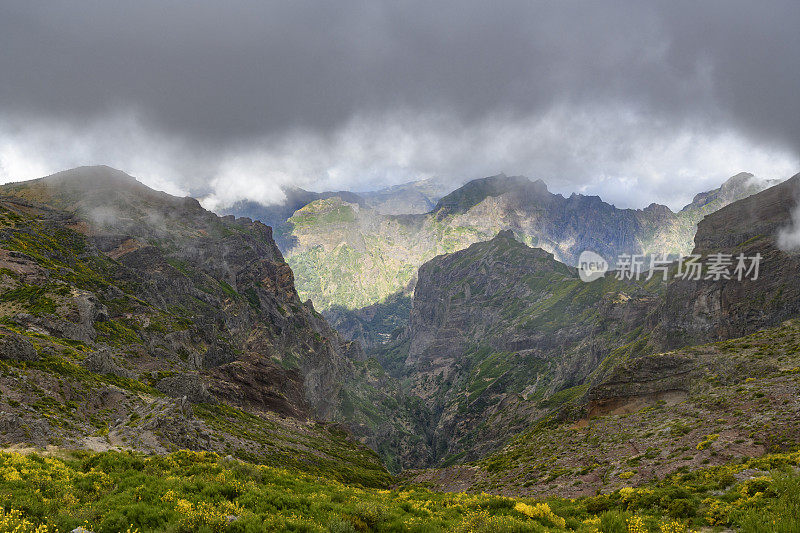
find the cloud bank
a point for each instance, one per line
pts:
(636, 102)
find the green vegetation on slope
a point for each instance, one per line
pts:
(350, 258)
(502, 335)
(62, 395)
(741, 399)
(120, 333)
(186, 491)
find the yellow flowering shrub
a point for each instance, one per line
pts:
(9, 473)
(483, 520)
(627, 493)
(13, 522)
(717, 512)
(707, 442)
(674, 527)
(755, 486)
(540, 511)
(214, 516)
(592, 525)
(190, 491)
(636, 525)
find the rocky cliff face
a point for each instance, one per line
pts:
(501, 335)
(727, 308)
(227, 274)
(102, 274)
(695, 407)
(697, 311)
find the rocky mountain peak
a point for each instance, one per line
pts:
(505, 234)
(736, 180)
(738, 186)
(332, 247)
(475, 191)
(99, 173)
(98, 192)
(91, 178)
(726, 308)
(760, 215)
(658, 209)
(223, 276)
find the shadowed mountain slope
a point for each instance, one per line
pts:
(168, 326)
(501, 334)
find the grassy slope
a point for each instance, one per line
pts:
(189, 491)
(60, 393)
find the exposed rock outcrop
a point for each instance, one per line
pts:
(103, 362)
(644, 380)
(499, 329)
(189, 386)
(704, 310)
(17, 348)
(131, 282)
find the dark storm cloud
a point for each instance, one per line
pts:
(235, 77)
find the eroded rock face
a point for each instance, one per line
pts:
(262, 385)
(189, 386)
(88, 309)
(103, 362)
(17, 348)
(141, 282)
(708, 310)
(499, 328)
(15, 428)
(642, 381)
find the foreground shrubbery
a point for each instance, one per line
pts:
(193, 491)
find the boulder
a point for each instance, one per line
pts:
(18, 348)
(102, 362)
(189, 386)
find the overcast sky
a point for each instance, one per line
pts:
(635, 101)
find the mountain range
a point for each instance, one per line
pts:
(358, 263)
(696, 372)
(138, 321)
(502, 336)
